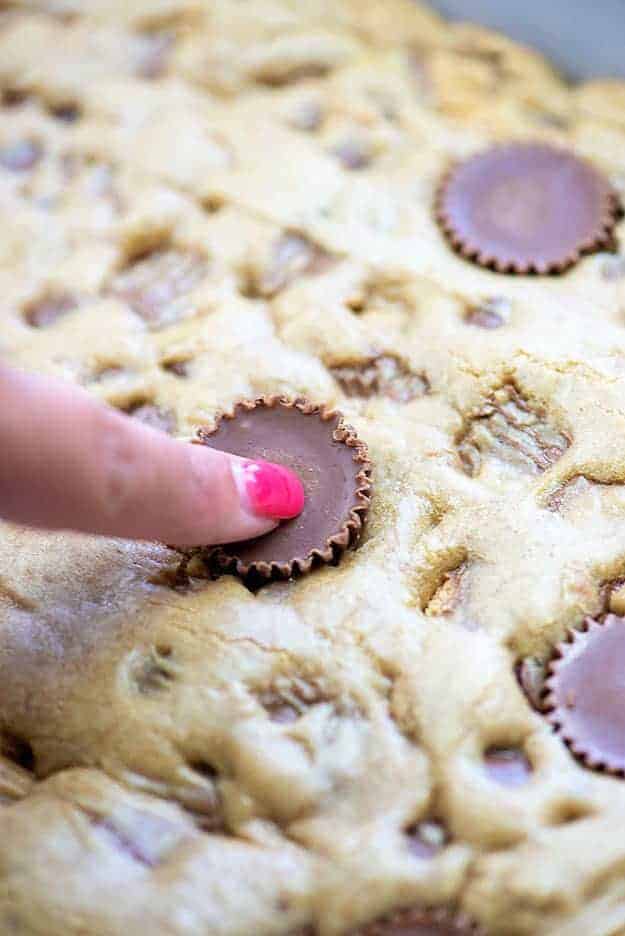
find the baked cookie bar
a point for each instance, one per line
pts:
(214, 201)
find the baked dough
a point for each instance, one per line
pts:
(215, 200)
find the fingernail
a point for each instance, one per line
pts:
(269, 490)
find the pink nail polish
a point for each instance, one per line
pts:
(272, 490)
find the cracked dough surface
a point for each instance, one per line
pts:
(207, 200)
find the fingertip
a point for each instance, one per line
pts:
(267, 489)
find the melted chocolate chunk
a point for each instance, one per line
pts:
(287, 701)
(333, 467)
(123, 843)
(153, 671)
(177, 368)
(157, 286)
(426, 839)
(145, 837)
(586, 692)
(353, 154)
(292, 255)
(508, 767)
(152, 53)
(13, 97)
(385, 375)
(21, 156)
(47, 310)
(420, 923)
(491, 313)
(526, 208)
(66, 113)
(278, 710)
(307, 116)
(510, 429)
(531, 675)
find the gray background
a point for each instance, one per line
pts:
(584, 38)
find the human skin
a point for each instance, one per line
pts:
(70, 462)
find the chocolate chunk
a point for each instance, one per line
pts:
(289, 699)
(292, 255)
(48, 309)
(142, 836)
(426, 839)
(13, 97)
(278, 710)
(585, 693)
(153, 671)
(66, 113)
(177, 368)
(510, 429)
(385, 375)
(21, 156)
(531, 675)
(152, 53)
(526, 208)
(508, 767)
(123, 843)
(353, 154)
(307, 116)
(154, 417)
(491, 313)
(417, 922)
(333, 467)
(157, 286)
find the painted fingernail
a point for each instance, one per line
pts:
(270, 490)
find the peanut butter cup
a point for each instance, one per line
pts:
(416, 922)
(333, 466)
(586, 693)
(526, 208)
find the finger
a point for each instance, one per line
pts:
(68, 462)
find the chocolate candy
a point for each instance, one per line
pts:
(21, 156)
(526, 208)
(508, 767)
(333, 466)
(586, 693)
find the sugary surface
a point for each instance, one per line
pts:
(207, 200)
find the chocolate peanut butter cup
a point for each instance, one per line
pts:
(526, 208)
(416, 922)
(585, 698)
(333, 466)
